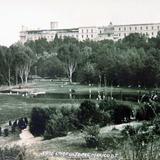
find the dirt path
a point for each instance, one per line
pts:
(27, 139)
(118, 127)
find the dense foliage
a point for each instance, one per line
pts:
(39, 118)
(132, 61)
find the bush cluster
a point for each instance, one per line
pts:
(53, 122)
(148, 111)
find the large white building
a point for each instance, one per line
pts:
(112, 32)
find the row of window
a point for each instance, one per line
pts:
(38, 37)
(147, 34)
(87, 36)
(140, 28)
(76, 36)
(87, 30)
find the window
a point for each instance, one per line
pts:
(152, 34)
(82, 36)
(92, 36)
(130, 28)
(135, 28)
(100, 31)
(87, 30)
(125, 34)
(82, 30)
(152, 27)
(147, 28)
(119, 34)
(119, 29)
(87, 36)
(125, 28)
(141, 28)
(158, 27)
(91, 30)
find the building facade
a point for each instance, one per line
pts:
(110, 32)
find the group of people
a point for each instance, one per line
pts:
(20, 123)
(12, 127)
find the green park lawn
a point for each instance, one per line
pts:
(16, 106)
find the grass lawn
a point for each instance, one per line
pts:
(64, 87)
(13, 107)
(16, 106)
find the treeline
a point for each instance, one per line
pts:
(133, 61)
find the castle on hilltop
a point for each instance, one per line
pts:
(110, 32)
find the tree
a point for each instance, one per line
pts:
(135, 40)
(106, 60)
(24, 59)
(30, 57)
(6, 64)
(69, 54)
(50, 67)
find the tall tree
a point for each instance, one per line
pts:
(24, 59)
(69, 54)
(8, 60)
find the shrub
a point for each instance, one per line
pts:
(11, 153)
(122, 113)
(87, 112)
(128, 131)
(92, 136)
(107, 105)
(140, 144)
(57, 126)
(71, 114)
(103, 118)
(39, 118)
(65, 111)
(110, 142)
(73, 119)
(17, 153)
(156, 124)
(140, 114)
(146, 112)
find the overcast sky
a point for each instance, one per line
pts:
(72, 13)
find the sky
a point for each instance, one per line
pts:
(72, 13)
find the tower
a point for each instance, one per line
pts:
(53, 25)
